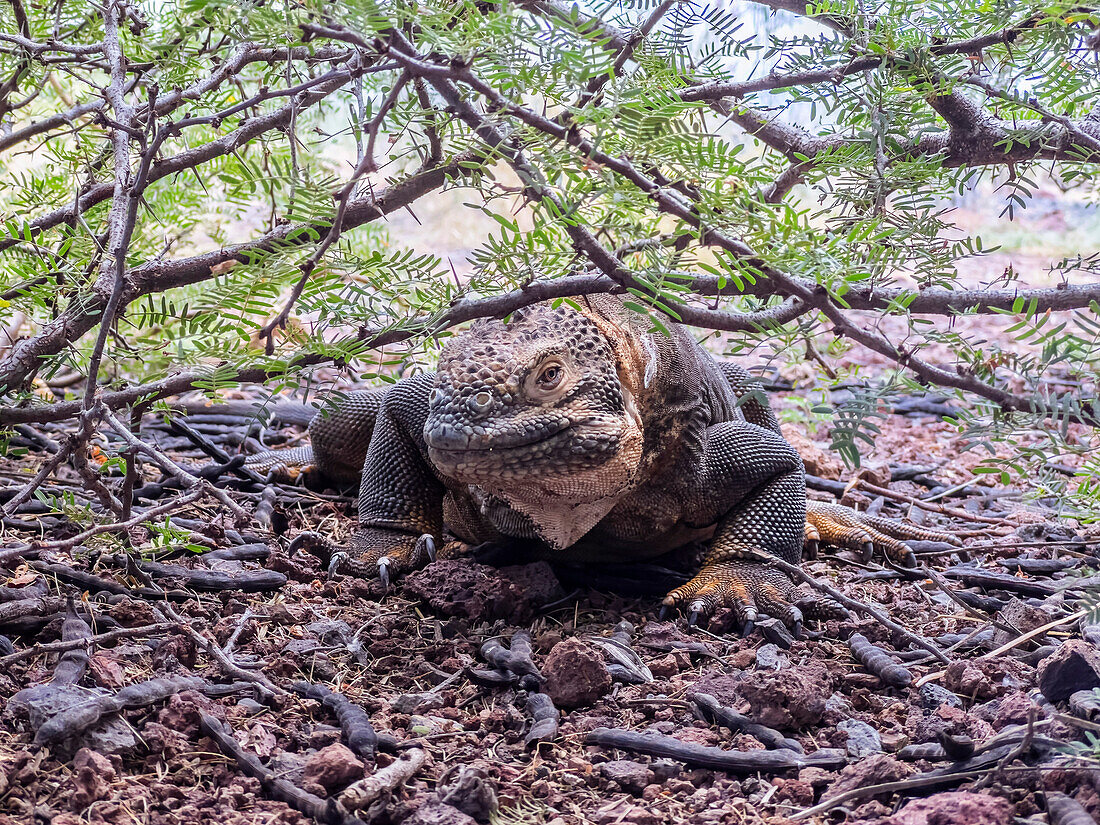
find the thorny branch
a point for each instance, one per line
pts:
(973, 136)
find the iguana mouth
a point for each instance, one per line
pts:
(454, 441)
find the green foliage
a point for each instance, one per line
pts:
(874, 212)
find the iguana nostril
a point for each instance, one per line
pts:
(480, 402)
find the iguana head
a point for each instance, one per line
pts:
(538, 406)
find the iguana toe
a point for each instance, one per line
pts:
(746, 588)
(865, 534)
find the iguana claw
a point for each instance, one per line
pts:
(336, 562)
(429, 545)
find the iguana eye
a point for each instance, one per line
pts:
(550, 376)
(548, 381)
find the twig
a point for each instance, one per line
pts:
(740, 762)
(86, 642)
(366, 791)
(227, 665)
(189, 481)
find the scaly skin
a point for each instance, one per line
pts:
(596, 440)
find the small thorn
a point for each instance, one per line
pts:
(384, 571)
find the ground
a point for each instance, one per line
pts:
(405, 656)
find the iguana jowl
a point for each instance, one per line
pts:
(597, 440)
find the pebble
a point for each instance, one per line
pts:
(575, 674)
(863, 740)
(1076, 666)
(956, 806)
(932, 696)
(770, 657)
(333, 767)
(631, 776)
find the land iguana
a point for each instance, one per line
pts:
(595, 438)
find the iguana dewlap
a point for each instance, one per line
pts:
(580, 429)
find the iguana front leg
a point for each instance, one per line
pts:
(763, 476)
(400, 497)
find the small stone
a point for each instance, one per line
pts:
(651, 793)
(436, 813)
(92, 778)
(251, 706)
(790, 698)
(1020, 615)
(874, 770)
(956, 806)
(631, 776)
(982, 679)
(1014, 709)
(466, 589)
(770, 657)
(332, 632)
(1076, 666)
(471, 792)
(575, 674)
(664, 668)
(863, 740)
(893, 742)
(742, 659)
(333, 767)
(416, 702)
(627, 815)
(932, 696)
(665, 769)
(876, 472)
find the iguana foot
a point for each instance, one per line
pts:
(283, 465)
(847, 528)
(377, 554)
(748, 588)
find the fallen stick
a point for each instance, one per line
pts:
(227, 665)
(245, 581)
(75, 720)
(993, 752)
(924, 505)
(739, 762)
(98, 584)
(993, 580)
(712, 711)
(43, 606)
(363, 793)
(1038, 631)
(354, 722)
